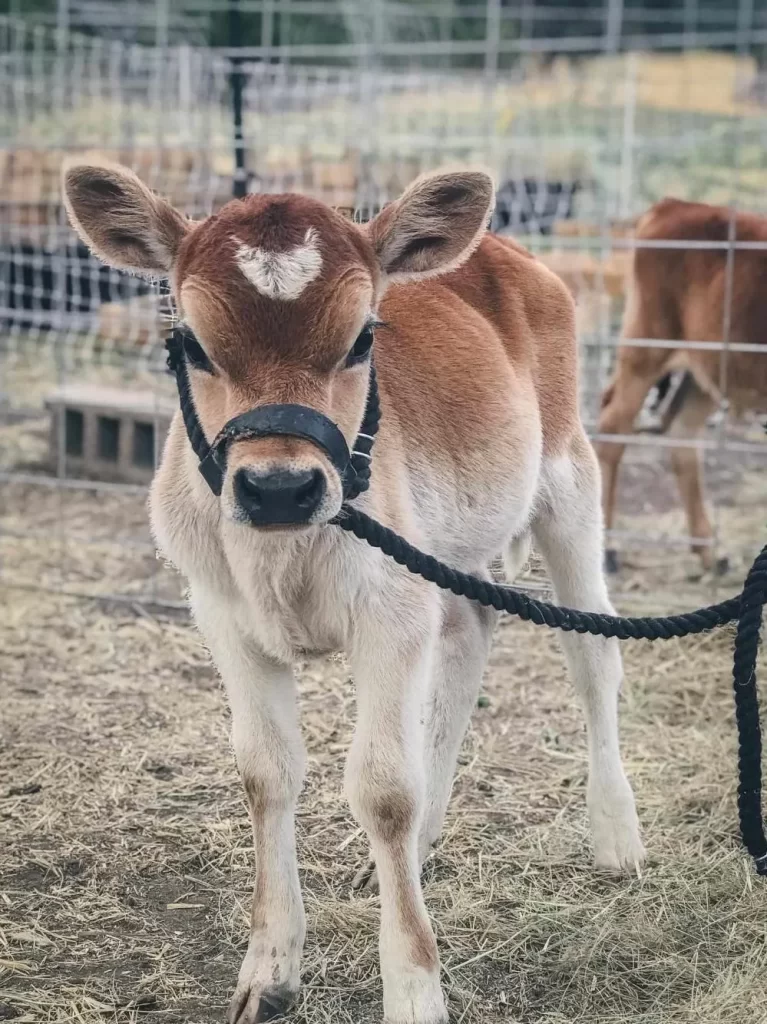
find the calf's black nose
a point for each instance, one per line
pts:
(280, 497)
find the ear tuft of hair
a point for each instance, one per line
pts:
(121, 220)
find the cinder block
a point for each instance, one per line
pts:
(107, 433)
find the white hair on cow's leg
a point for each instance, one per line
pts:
(281, 275)
(568, 533)
(271, 760)
(392, 663)
(464, 646)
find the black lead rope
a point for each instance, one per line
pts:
(746, 609)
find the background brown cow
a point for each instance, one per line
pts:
(710, 300)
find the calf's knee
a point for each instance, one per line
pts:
(386, 808)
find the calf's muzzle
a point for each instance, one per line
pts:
(281, 497)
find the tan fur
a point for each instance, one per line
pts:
(480, 442)
(679, 294)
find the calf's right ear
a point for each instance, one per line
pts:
(124, 223)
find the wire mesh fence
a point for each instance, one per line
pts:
(583, 132)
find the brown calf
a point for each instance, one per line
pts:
(480, 443)
(691, 295)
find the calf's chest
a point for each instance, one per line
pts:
(299, 594)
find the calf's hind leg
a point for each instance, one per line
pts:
(464, 647)
(459, 662)
(568, 533)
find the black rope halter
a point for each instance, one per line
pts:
(269, 420)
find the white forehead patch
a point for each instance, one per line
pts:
(281, 275)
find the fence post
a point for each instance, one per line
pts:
(629, 137)
(490, 83)
(236, 81)
(613, 26)
(62, 19)
(372, 29)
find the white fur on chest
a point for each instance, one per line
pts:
(299, 591)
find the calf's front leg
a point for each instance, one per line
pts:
(385, 783)
(270, 757)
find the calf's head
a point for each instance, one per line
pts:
(281, 294)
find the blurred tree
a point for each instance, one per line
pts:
(420, 21)
(28, 8)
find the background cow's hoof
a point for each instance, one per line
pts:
(722, 566)
(366, 879)
(612, 563)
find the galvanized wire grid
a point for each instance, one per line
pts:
(578, 147)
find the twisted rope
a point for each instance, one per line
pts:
(504, 598)
(746, 609)
(752, 601)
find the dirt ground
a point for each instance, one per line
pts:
(125, 856)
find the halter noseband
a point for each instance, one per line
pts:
(272, 421)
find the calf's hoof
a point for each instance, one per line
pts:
(618, 845)
(249, 1006)
(415, 1001)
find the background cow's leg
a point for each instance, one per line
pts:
(270, 757)
(568, 532)
(621, 403)
(688, 470)
(392, 664)
(636, 370)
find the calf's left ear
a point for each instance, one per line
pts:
(434, 226)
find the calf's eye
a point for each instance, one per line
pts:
(195, 354)
(360, 350)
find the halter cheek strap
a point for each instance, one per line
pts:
(286, 420)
